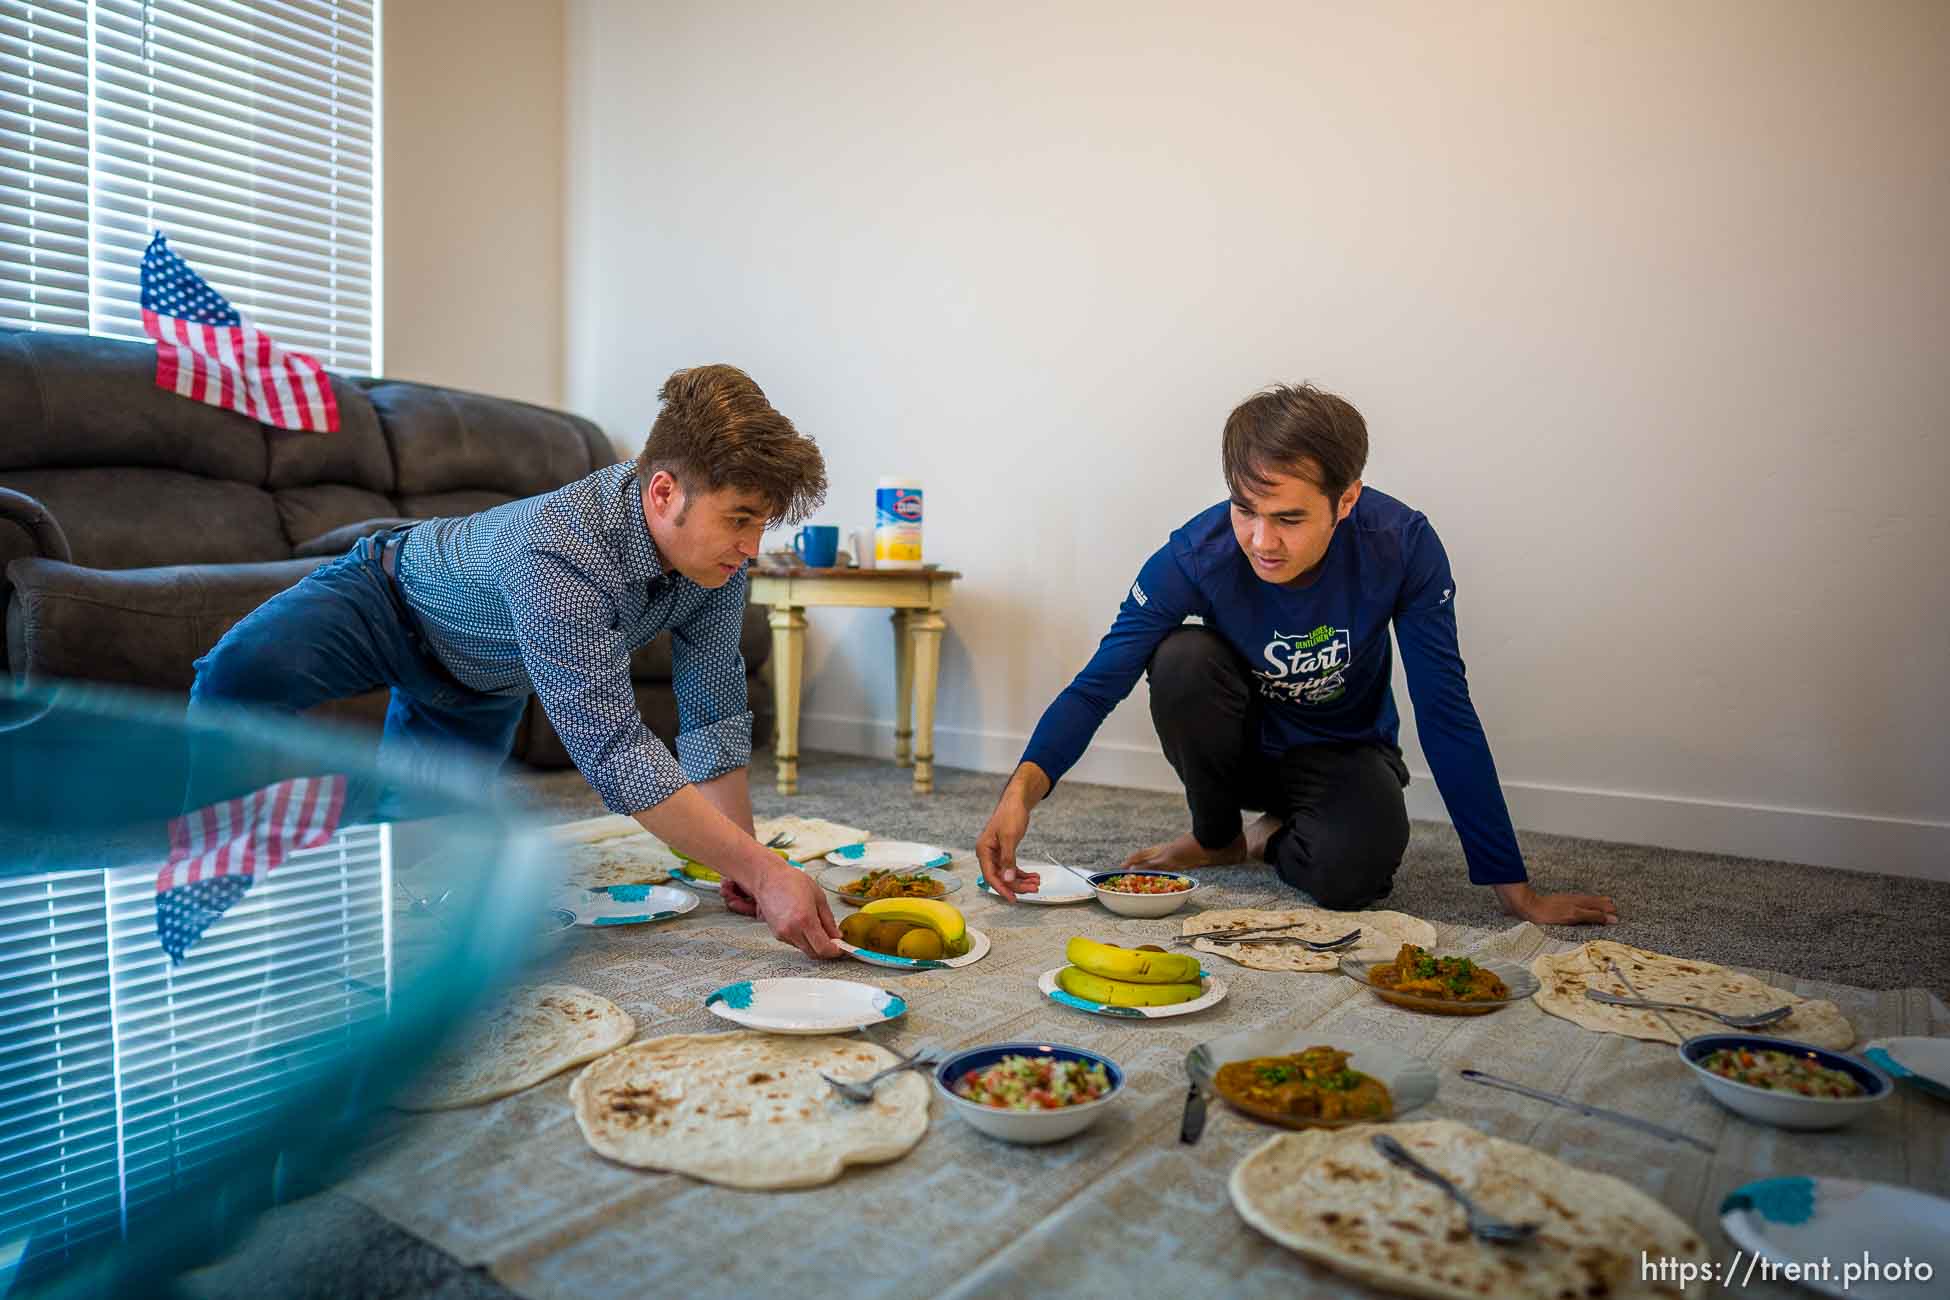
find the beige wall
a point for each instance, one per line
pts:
(1645, 304)
(472, 143)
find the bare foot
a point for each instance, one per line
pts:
(1258, 834)
(1184, 854)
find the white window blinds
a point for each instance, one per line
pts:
(245, 130)
(122, 1073)
(44, 165)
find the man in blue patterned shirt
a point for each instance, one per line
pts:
(464, 618)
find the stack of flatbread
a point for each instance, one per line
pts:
(746, 1109)
(539, 1031)
(1658, 978)
(1382, 935)
(1329, 1195)
(812, 837)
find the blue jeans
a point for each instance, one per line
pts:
(345, 630)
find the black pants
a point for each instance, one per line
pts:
(1344, 823)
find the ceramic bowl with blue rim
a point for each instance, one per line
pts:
(628, 904)
(894, 855)
(1798, 1220)
(1027, 1127)
(1778, 1106)
(800, 1005)
(1919, 1063)
(1143, 906)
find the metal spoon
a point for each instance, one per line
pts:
(1232, 936)
(860, 1091)
(1757, 1020)
(1483, 1225)
(1043, 854)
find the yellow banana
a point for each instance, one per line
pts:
(1116, 993)
(1131, 965)
(931, 912)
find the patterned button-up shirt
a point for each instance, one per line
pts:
(551, 594)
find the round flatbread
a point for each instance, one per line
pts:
(812, 837)
(1563, 977)
(1329, 1195)
(624, 860)
(747, 1109)
(1382, 935)
(539, 1031)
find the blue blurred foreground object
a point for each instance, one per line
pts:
(211, 982)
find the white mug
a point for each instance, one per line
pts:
(860, 542)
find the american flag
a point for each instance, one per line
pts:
(206, 350)
(217, 852)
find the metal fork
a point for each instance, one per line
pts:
(1483, 1225)
(782, 840)
(1044, 854)
(860, 1091)
(1756, 1020)
(1247, 936)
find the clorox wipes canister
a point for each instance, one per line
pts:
(897, 524)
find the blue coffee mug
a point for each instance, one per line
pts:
(818, 545)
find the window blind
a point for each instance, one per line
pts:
(44, 165)
(245, 130)
(122, 1074)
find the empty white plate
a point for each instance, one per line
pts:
(892, 854)
(1923, 1063)
(627, 904)
(804, 1006)
(1805, 1221)
(1057, 887)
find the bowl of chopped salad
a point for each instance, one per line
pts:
(1779, 1081)
(1143, 894)
(1029, 1093)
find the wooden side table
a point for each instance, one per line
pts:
(916, 596)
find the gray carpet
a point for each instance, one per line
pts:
(1870, 931)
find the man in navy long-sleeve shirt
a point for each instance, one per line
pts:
(1280, 697)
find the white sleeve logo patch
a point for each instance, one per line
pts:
(1137, 594)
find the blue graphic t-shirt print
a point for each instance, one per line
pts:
(1307, 668)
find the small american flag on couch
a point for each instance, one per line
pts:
(207, 351)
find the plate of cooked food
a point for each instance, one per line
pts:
(1310, 1079)
(1422, 980)
(858, 887)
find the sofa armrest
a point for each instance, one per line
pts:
(27, 531)
(136, 627)
(338, 541)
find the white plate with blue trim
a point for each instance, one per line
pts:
(1215, 992)
(895, 855)
(978, 948)
(1807, 1220)
(627, 904)
(799, 1005)
(1922, 1063)
(1057, 887)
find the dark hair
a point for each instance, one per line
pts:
(716, 431)
(1294, 429)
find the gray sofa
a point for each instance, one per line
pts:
(137, 526)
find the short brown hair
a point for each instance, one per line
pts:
(717, 431)
(1295, 428)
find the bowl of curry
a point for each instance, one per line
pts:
(1422, 980)
(1294, 1079)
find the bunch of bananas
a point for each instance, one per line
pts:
(1146, 976)
(926, 929)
